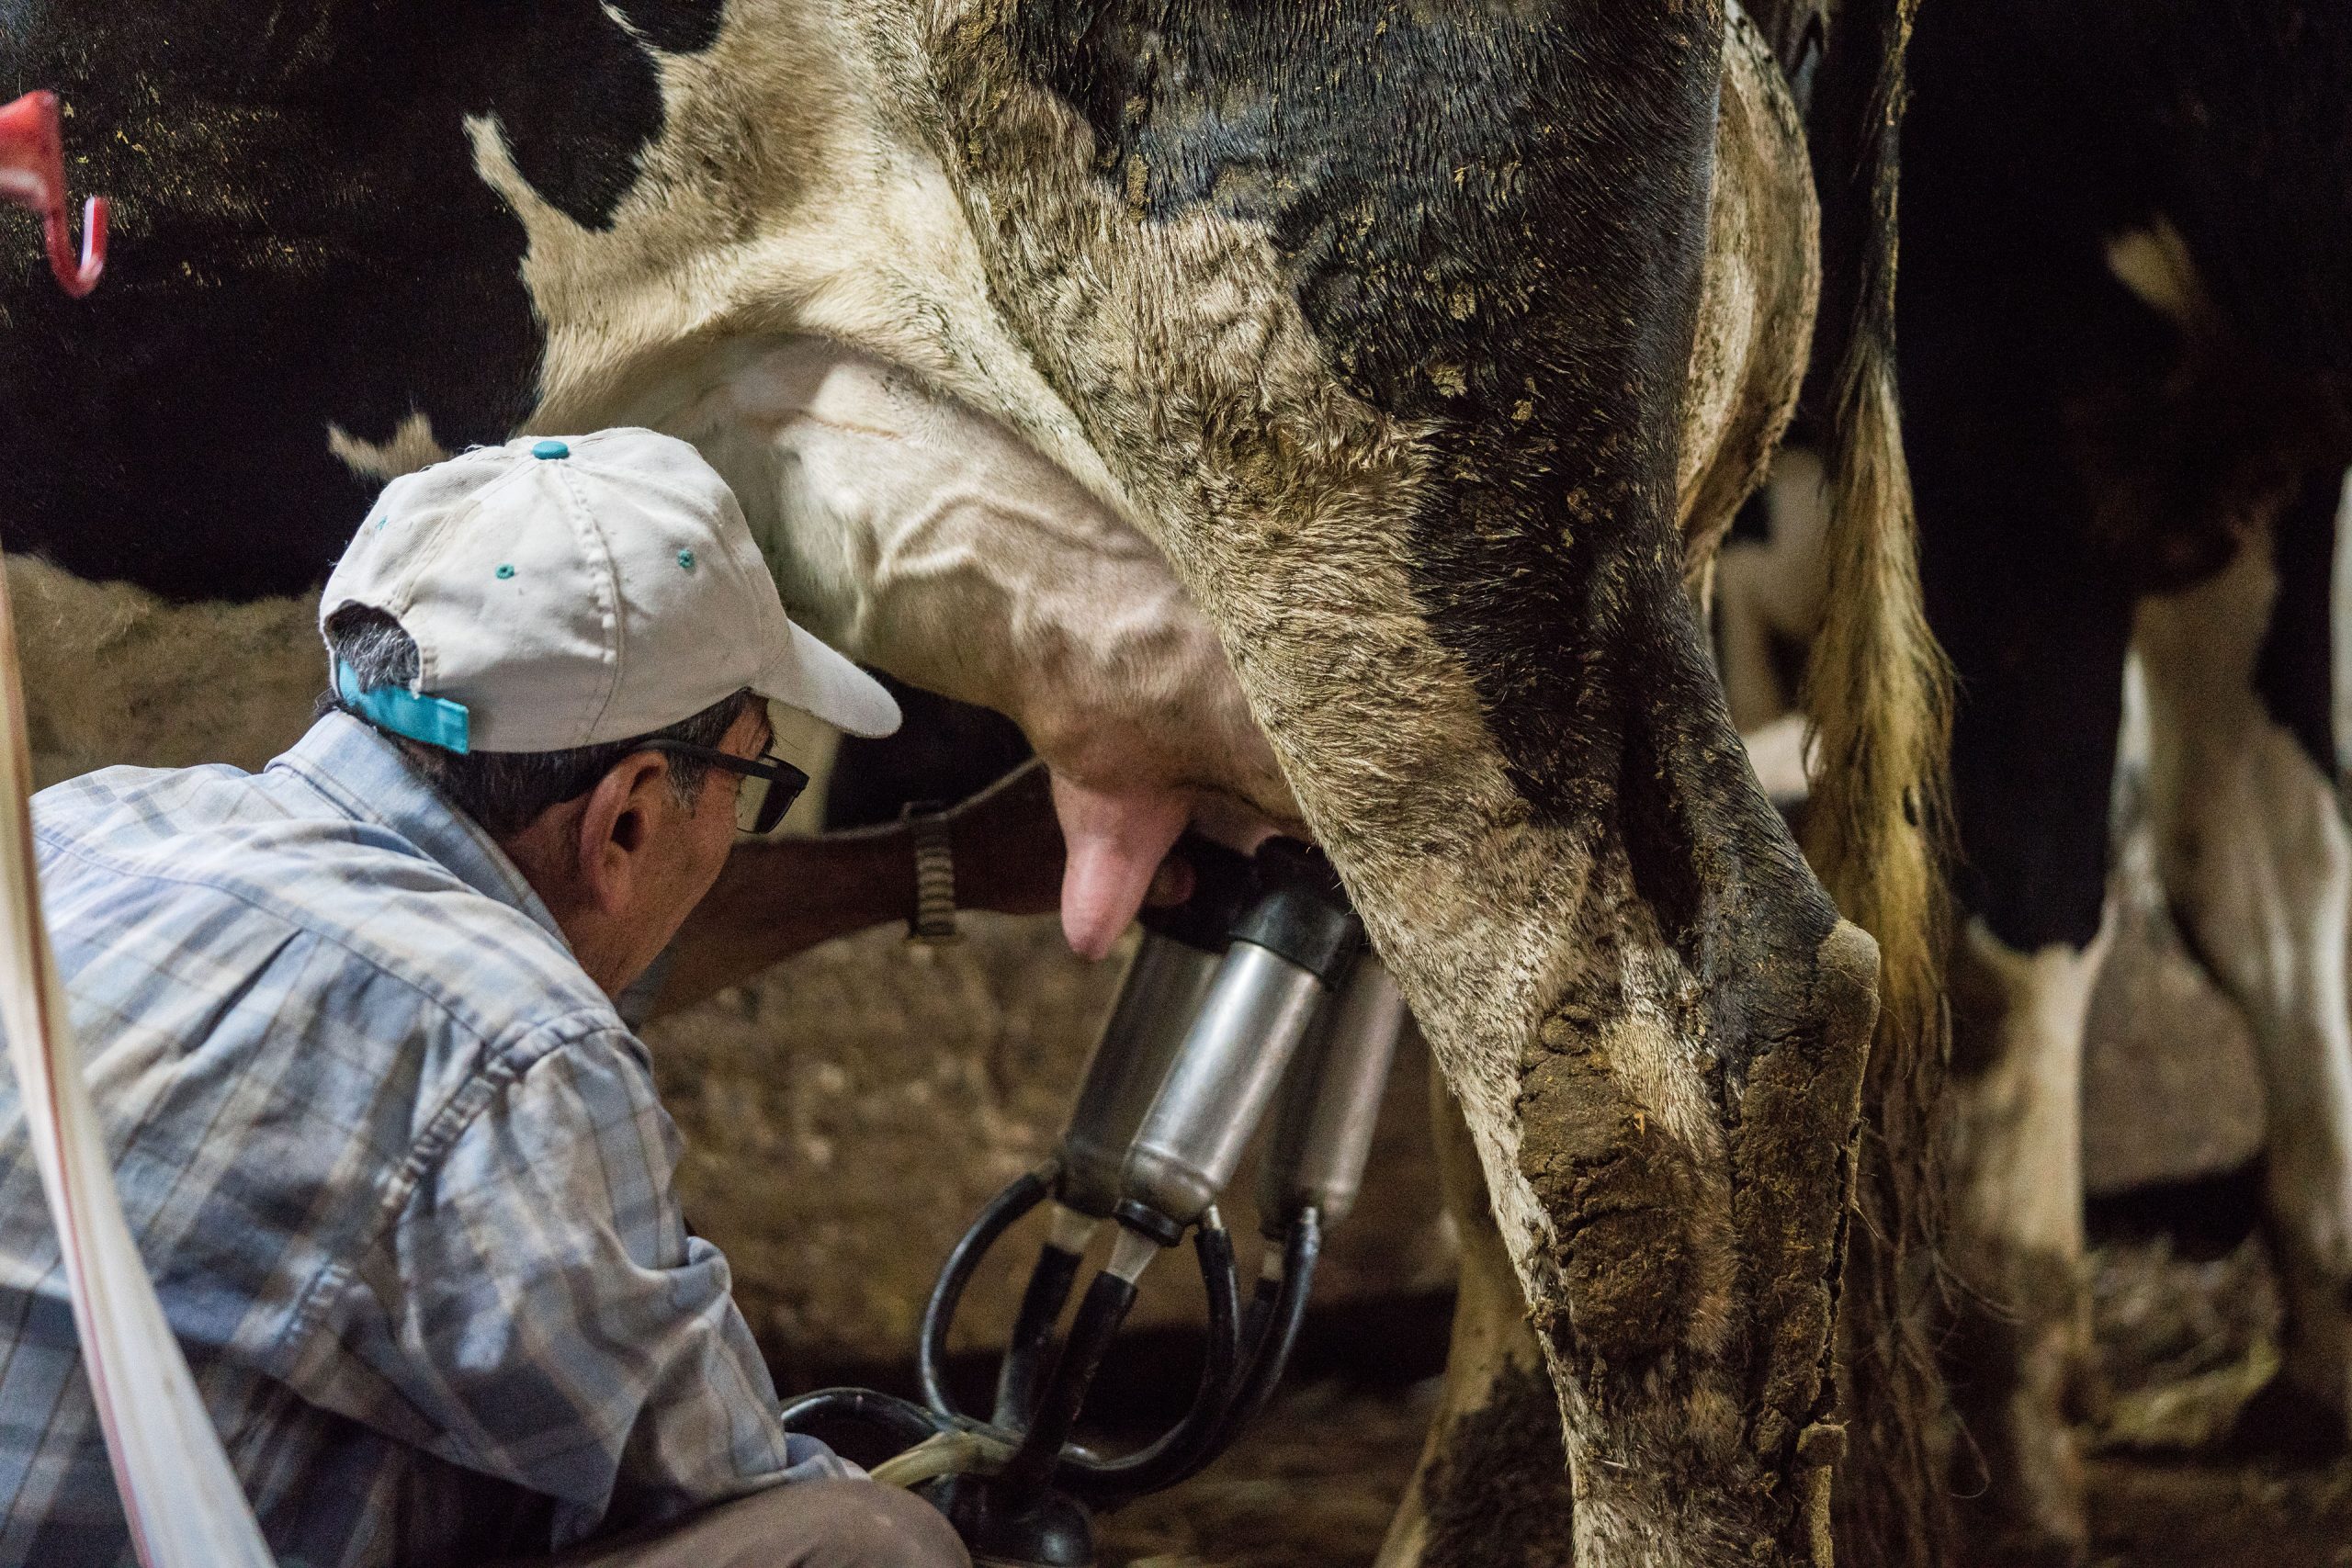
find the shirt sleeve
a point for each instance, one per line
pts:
(541, 1313)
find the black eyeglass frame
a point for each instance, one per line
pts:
(785, 780)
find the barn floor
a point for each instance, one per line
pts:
(1315, 1487)
(2181, 1341)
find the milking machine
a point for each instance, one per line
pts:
(1255, 995)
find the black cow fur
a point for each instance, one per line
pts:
(2070, 449)
(299, 237)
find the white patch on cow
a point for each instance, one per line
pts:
(2016, 1124)
(411, 447)
(2253, 852)
(830, 214)
(2154, 265)
(1781, 752)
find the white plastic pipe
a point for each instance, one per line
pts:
(184, 1503)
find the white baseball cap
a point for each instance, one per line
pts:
(572, 591)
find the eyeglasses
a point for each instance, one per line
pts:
(770, 784)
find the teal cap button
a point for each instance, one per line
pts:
(549, 449)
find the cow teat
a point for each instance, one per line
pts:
(1115, 844)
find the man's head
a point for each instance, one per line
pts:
(619, 839)
(575, 640)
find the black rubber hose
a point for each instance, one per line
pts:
(899, 1423)
(1270, 1353)
(1185, 1447)
(1267, 1338)
(1276, 1313)
(1032, 1335)
(1264, 1298)
(1031, 1470)
(1002, 1212)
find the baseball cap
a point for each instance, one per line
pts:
(572, 590)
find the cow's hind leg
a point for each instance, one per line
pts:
(1434, 527)
(2253, 854)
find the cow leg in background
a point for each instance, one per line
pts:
(2254, 855)
(2016, 1237)
(1768, 588)
(2034, 760)
(1492, 1490)
(2032, 818)
(2036, 627)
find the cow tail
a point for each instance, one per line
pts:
(1877, 694)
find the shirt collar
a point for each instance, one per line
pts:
(367, 779)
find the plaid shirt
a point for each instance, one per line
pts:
(397, 1168)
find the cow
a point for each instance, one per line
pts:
(1287, 409)
(2128, 377)
(2127, 386)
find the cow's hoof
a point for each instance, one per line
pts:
(2286, 1421)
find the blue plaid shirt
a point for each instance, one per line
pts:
(397, 1168)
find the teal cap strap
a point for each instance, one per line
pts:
(436, 721)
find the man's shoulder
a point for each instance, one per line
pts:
(239, 864)
(156, 799)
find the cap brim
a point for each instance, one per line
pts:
(811, 676)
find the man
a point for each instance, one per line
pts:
(393, 1156)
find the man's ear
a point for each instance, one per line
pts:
(617, 818)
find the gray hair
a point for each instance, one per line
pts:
(504, 792)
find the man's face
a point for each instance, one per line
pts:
(689, 848)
